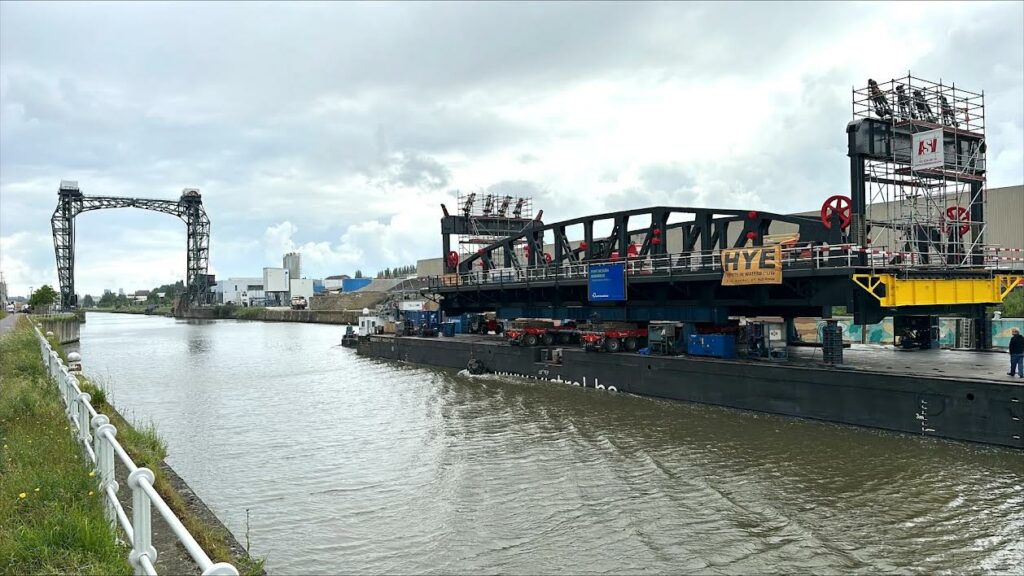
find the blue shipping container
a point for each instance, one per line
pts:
(419, 317)
(714, 345)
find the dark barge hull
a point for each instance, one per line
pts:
(962, 408)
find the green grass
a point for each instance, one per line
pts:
(51, 515)
(158, 311)
(249, 313)
(58, 317)
(1013, 305)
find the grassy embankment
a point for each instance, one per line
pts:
(240, 312)
(158, 311)
(226, 311)
(51, 514)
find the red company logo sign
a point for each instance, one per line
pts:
(927, 150)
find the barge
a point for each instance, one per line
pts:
(960, 395)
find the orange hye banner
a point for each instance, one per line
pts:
(743, 266)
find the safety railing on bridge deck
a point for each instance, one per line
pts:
(99, 439)
(993, 258)
(668, 266)
(697, 262)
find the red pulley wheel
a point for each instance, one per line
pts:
(842, 206)
(960, 215)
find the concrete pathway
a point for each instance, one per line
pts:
(8, 323)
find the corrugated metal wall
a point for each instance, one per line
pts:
(1004, 212)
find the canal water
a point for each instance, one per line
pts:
(353, 465)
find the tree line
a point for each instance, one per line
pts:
(111, 300)
(397, 272)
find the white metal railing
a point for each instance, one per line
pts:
(104, 450)
(696, 262)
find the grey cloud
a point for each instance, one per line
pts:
(308, 112)
(667, 178)
(418, 171)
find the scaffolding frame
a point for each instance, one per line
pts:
(929, 217)
(503, 213)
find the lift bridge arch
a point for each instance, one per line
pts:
(189, 207)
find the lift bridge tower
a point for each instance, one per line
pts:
(189, 207)
(917, 175)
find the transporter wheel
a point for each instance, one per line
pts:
(612, 345)
(529, 340)
(547, 339)
(629, 344)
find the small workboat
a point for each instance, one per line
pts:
(349, 338)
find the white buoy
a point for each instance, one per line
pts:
(49, 334)
(613, 389)
(74, 357)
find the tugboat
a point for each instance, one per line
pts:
(368, 324)
(349, 339)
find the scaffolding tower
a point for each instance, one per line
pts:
(924, 177)
(488, 218)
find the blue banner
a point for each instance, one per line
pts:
(606, 282)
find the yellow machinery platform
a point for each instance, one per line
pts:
(893, 292)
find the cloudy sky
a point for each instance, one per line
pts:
(336, 129)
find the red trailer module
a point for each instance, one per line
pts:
(529, 332)
(613, 337)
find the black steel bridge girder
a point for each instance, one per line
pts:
(704, 229)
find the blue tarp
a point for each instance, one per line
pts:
(353, 284)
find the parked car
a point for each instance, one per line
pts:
(10, 308)
(298, 302)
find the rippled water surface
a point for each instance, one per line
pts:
(353, 465)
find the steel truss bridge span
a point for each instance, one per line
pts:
(701, 230)
(189, 207)
(821, 268)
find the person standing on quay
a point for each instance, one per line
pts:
(1016, 353)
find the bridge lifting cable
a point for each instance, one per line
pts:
(189, 207)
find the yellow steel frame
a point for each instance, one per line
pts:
(936, 291)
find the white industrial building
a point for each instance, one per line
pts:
(301, 287)
(240, 291)
(275, 286)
